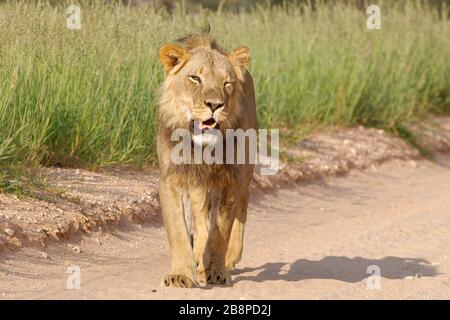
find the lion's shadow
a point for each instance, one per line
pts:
(337, 268)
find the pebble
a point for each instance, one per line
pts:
(9, 232)
(413, 164)
(43, 254)
(77, 249)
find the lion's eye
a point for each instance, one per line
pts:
(228, 84)
(195, 79)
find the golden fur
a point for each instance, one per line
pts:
(203, 83)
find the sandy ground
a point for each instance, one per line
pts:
(309, 242)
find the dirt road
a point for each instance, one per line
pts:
(309, 242)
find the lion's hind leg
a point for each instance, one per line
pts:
(218, 242)
(236, 243)
(201, 207)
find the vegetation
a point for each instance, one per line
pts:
(88, 97)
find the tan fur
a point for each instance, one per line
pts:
(216, 195)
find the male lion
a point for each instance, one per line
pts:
(212, 88)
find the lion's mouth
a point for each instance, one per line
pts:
(202, 126)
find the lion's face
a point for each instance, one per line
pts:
(200, 90)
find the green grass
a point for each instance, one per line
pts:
(88, 97)
(25, 181)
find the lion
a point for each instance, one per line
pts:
(204, 85)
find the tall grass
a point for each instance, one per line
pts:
(88, 97)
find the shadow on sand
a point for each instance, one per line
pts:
(337, 268)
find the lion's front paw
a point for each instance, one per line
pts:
(222, 277)
(178, 281)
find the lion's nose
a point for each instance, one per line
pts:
(214, 104)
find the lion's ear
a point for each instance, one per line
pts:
(172, 57)
(240, 58)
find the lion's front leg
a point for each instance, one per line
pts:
(183, 271)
